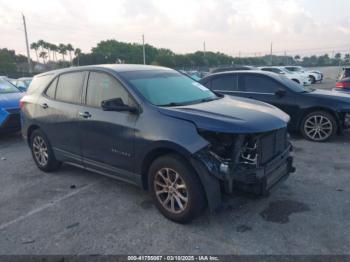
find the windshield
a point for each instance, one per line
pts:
(294, 86)
(168, 87)
(6, 87)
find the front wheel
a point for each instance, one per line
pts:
(176, 189)
(319, 126)
(42, 152)
(313, 79)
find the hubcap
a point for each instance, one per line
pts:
(40, 151)
(171, 190)
(318, 127)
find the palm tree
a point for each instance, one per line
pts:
(43, 55)
(41, 44)
(35, 47)
(62, 49)
(53, 49)
(347, 57)
(77, 53)
(70, 48)
(297, 58)
(46, 45)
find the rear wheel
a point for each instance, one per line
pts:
(176, 189)
(42, 152)
(319, 126)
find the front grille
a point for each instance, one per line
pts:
(272, 144)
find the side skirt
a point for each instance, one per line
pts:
(97, 167)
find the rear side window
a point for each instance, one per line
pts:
(102, 86)
(224, 83)
(39, 81)
(260, 84)
(51, 90)
(69, 87)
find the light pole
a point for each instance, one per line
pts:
(143, 49)
(27, 44)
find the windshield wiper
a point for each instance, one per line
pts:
(173, 104)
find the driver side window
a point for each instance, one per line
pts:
(102, 86)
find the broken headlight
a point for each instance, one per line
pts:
(228, 152)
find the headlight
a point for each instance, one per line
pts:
(227, 152)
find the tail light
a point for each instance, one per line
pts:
(342, 84)
(21, 104)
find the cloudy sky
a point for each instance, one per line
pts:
(230, 26)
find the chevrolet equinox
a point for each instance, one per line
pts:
(156, 128)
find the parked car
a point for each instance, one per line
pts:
(314, 75)
(317, 114)
(342, 85)
(298, 78)
(9, 107)
(23, 83)
(344, 73)
(158, 129)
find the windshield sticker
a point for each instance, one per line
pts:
(203, 88)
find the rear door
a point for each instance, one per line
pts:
(107, 137)
(58, 115)
(225, 83)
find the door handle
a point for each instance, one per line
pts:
(44, 106)
(84, 114)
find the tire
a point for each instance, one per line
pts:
(318, 126)
(313, 79)
(188, 186)
(42, 152)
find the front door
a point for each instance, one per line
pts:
(107, 137)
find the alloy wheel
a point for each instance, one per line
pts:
(318, 127)
(40, 151)
(171, 190)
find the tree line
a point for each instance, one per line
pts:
(51, 56)
(113, 51)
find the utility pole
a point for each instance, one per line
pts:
(26, 37)
(143, 49)
(271, 54)
(204, 50)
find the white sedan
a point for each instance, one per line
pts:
(296, 77)
(315, 75)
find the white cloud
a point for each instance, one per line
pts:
(226, 25)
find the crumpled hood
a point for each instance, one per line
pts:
(10, 100)
(336, 96)
(231, 115)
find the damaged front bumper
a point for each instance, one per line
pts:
(258, 173)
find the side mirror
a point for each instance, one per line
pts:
(280, 93)
(116, 104)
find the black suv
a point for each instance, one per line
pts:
(158, 129)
